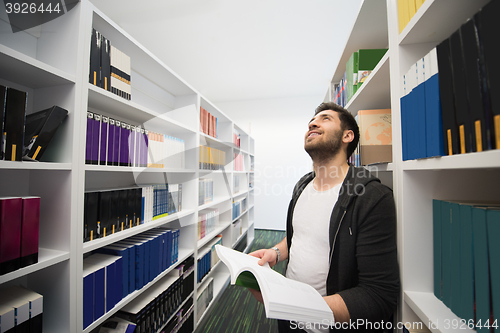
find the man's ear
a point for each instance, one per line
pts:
(348, 136)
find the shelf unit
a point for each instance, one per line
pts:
(52, 66)
(468, 177)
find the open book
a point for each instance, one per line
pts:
(283, 298)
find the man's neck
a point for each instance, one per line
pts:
(329, 173)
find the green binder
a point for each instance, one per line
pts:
(367, 61)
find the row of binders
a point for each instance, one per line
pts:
(21, 310)
(450, 106)
(211, 158)
(113, 142)
(159, 306)
(19, 231)
(25, 136)
(406, 10)
(119, 269)
(205, 296)
(467, 260)
(375, 137)
(359, 66)
(207, 258)
(111, 211)
(205, 191)
(209, 124)
(109, 67)
(239, 206)
(208, 220)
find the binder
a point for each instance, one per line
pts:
(487, 20)
(88, 138)
(450, 128)
(40, 129)
(124, 152)
(420, 111)
(10, 233)
(481, 268)
(474, 76)
(110, 142)
(437, 253)
(124, 253)
(446, 252)
(117, 143)
(15, 116)
(35, 305)
(455, 263)
(95, 58)
(367, 61)
(466, 264)
(7, 318)
(103, 141)
(90, 216)
(93, 292)
(493, 228)
(105, 63)
(2, 118)
(131, 144)
(104, 208)
(460, 94)
(30, 231)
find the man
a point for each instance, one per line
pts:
(341, 229)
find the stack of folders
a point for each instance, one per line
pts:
(470, 93)
(467, 261)
(152, 309)
(205, 296)
(21, 310)
(406, 10)
(113, 142)
(208, 220)
(109, 67)
(359, 66)
(211, 158)
(421, 119)
(239, 206)
(209, 123)
(19, 230)
(25, 136)
(111, 211)
(205, 190)
(102, 285)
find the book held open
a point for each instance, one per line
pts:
(284, 298)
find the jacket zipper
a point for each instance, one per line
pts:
(335, 239)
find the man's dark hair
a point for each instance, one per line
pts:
(347, 122)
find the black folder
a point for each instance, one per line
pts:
(91, 216)
(105, 64)
(39, 130)
(104, 213)
(15, 115)
(95, 58)
(450, 130)
(472, 66)
(2, 117)
(487, 24)
(460, 94)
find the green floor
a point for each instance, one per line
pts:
(237, 310)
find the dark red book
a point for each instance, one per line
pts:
(30, 231)
(10, 233)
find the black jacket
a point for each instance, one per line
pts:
(363, 265)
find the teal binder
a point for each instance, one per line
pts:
(481, 271)
(493, 228)
(436, 214)
(466, 264)
(446, 252)
(455, 258)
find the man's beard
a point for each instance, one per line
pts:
(324, 150)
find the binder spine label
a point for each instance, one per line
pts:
(462, 139)
(497, 130)
(450, 149)
(479, 140)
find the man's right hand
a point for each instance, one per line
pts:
(265, 255)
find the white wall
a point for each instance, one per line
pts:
(278, 127)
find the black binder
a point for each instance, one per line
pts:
(39, 130)
(15, 115)
(95, 58)
(2, 117)
(105, 63)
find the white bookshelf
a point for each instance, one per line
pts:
(52, 66)
(472, 176)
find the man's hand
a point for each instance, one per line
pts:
(265, 255)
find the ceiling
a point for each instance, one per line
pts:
(232, 50)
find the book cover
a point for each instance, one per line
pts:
(40, 129)
(437, 253)
(96, 135)
(283, 298)
(474, 77)
(15, 116)
(455, 223)
(375, 136)
(419, 111)
(3, 91)
(131, 144)
(95, 58)
(124, 152)
(463, 117)
(35, 305)
(105, 63)
(367, 61)
(104, 218)
(481, 268)
(30, 227)
(450, 128)
(117, 143)
(487, 23)
(446, 252)
(88, 137)
(10, 233)
(21, 305)
(110, 142)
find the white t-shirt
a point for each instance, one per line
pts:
(310, 250)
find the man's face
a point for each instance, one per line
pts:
(323, 140)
